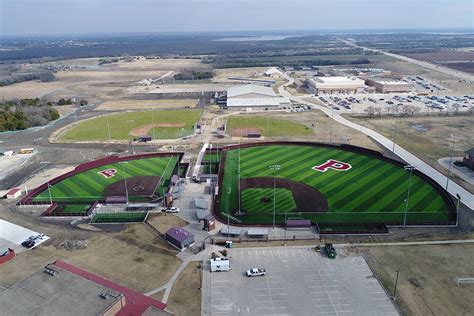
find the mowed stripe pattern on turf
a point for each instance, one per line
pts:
(90, 184)
(370, 186)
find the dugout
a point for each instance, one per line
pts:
(230, 231)
(298, 224)
(257, 232)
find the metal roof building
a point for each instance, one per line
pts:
(336, 85)
(385, 85)
(179, 238)
(250, 95)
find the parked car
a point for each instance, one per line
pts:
(172, 210)
(28, 243)
(256, 272)
(330, 251)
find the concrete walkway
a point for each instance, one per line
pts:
(462, 172)
(466, 197)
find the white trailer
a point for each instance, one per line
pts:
(220, 264)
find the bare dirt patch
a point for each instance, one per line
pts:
(145, 129)
(244, 131)
(162, 221)
(307, 199)
(185, 296)
(425, 285)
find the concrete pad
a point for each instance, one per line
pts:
(11, 236)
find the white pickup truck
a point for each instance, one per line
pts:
(256, 272)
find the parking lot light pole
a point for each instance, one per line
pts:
(407, 200)
(450, 162)
(274, 168)
(108, 127)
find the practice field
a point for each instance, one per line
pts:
(240, 125)
(347, 187)
(160, 124)
(92, 184)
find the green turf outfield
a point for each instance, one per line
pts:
(96, 129)
(76, 208)
(125, 217)
(252, 200)
(89, 185)
(268, 126)
(372, 191)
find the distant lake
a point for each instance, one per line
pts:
(256, 38)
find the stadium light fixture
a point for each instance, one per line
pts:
(407, 200)
(131, 139)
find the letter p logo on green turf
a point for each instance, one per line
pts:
(334, 165)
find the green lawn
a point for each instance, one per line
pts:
(372, 191)
(268, 126)
(96, 129)
(119, 217)
(88, 186)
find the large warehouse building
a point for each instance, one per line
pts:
(387, 86)
(329, 85)
(254, 96)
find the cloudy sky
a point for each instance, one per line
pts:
(32, 17)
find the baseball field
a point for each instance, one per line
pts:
(323, 184)
(145, 177)
(159, 124)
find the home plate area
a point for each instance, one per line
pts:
(299, 281)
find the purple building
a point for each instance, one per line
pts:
(179, 238)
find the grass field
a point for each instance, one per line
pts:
(88, 186)
(123, 217)
(268, 126)
(372, 191)
(76, 208)
(160, 124)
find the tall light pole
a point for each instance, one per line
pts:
(131, 139)
(153, 123)
(394, 137)
(108, 127)
(409, 168)
(330, 127)
(49, 191)
(274, 168)
(124, 178)
(228, 215)
(450, 161)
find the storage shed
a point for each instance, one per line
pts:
(209, 222)
(179, 238)
(13, 194)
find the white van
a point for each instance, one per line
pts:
(220, 264)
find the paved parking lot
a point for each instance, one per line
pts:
(11, 236)
(299, 281)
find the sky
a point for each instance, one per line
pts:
(40, 17)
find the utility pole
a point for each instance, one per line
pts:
(450, 162)
(274, 168)
(409, 168)
(330, 128)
